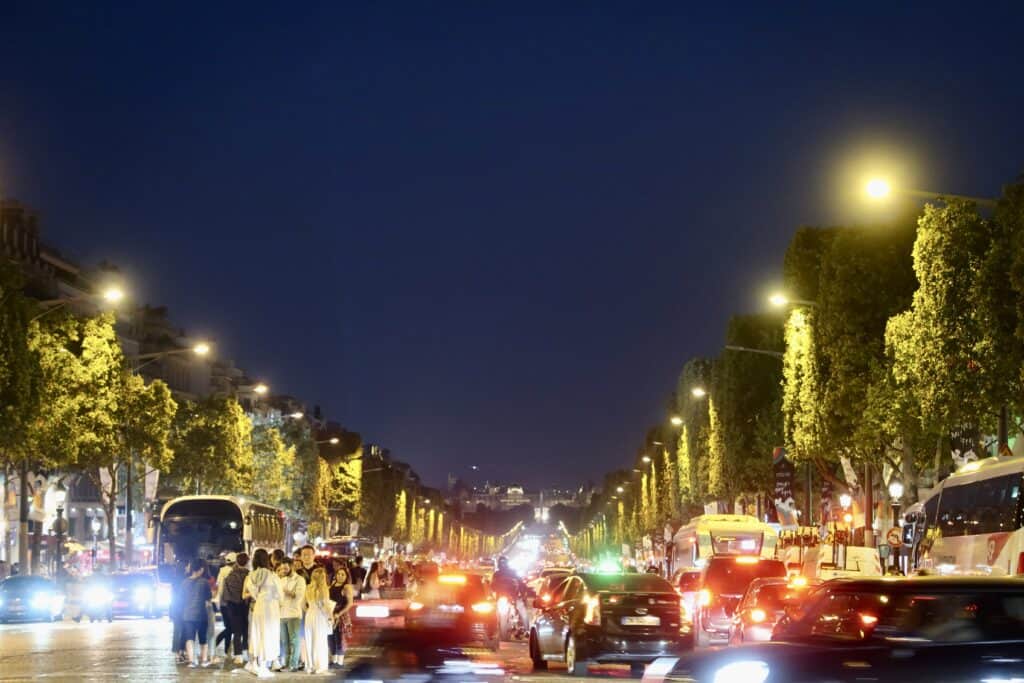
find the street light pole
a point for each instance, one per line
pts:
(61, 497)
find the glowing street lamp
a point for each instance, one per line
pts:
(261, 389)
(646, 458)
(676, 421)
(201, 349)
(878, 188)
(845, 500)
(698, 392)
(297, 415)
(780, 300)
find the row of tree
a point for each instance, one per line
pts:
(903, 355)
(72, 404)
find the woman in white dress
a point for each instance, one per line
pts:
(264, 588)
(319, 613)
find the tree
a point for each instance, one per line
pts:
(306, 491)
(273, 467)
(212, 442)
(691, 444)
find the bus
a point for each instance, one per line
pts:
(973, 520)
(210, 527)
(708, 535)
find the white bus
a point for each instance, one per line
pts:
(973, 520)
(212, 526)
(709, 535)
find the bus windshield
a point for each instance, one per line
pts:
(198, 528)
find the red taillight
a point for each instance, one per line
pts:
(868, 619)
(1020, 563)
(757, 615)
(546, 598)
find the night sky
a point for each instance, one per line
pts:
(483, 233)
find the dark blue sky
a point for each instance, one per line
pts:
(483, 233)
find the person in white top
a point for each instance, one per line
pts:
(318, 624)
(293, 594)
(264, 588)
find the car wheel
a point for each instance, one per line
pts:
(637, 669)
(573, 665)
(77, 619)
(539, 663)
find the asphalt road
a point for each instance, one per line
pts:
(138, 650)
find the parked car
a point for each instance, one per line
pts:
(30, 598)
(724, 580)
(607, 618)
(764, 604)
(945, 629)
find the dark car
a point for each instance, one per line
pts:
(30, 598)
(607, 618)
(723, 582)
(952, 630)
(120, 595)
(454, 607)
(764, 604)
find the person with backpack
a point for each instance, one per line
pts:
(235, 609)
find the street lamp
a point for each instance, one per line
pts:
(297, 415)
(620, 489)
(334, 441)
(780, 300)
(111, 294)
(646, 459)
(60, 496)
(676, 421)
(879, 188)
(200, 349)
(845, 500)
(895, 496)
(698, 392)
(261, 389)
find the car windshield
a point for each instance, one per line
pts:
(772, 596)
(731, 576)
(24, 583)
(690, 581)
(627, 583)
(941, 617)
(438, 592)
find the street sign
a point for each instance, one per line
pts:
(894, 537)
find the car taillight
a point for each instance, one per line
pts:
(868, 619)
(704, 597)
(593, 614)
(483, 607)
(757, 615)
(546, 598)
(415, 606)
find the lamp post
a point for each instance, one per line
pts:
(61, 496)
(895, 497)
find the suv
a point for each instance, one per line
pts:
(723, 582)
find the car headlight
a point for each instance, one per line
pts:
(40, 600)
(142, 596)
(98, 597)
(750, 671)
(163, 596)
(56, 604)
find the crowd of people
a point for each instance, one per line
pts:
(279, 613)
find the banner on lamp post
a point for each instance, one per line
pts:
(785, 504)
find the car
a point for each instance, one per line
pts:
(687, 582)
(724, 580)
(764, 604)
(545, 588)
(30, 598)
(454, 607)
(135, 594)
(607, 618)
(886, 630)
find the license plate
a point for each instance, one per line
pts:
(641, 621)
(372, 611)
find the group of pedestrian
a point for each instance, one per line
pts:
(280, 613)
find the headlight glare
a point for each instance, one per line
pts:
(750, 671)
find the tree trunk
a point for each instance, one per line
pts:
(129, 517)
(23, 508)
(908, 469)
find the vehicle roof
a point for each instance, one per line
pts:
(24, 578)
(934, 583)
(986, 468)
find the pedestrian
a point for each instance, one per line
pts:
(263, 587)
(343, 595)
(235, 609)
(293, 593)
(373, 582)
(225, 571)
(174, 611)
(275, 558)
(307, 562)
(358, 573)
(196, 597)
(318, 623)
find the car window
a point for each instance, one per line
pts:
(629, 583)
(572, 590)
(559, 591)
(730, 577)
(689, 581)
